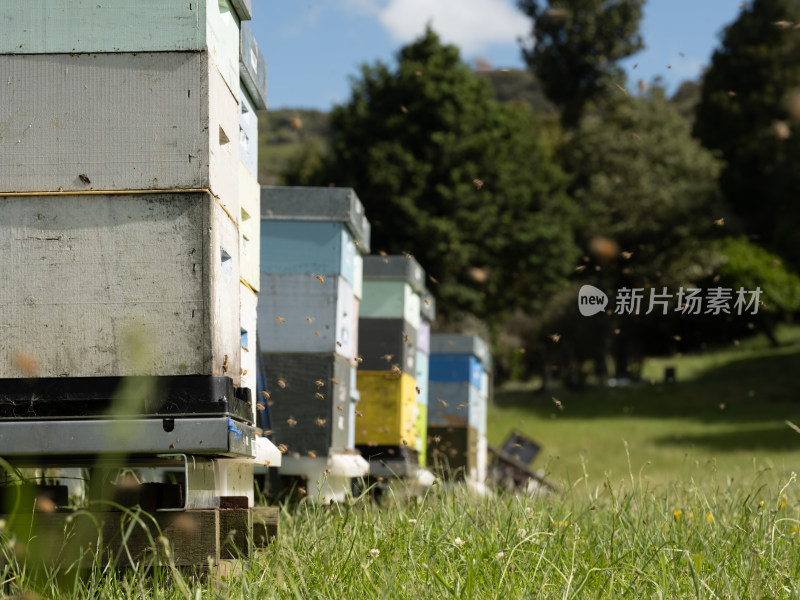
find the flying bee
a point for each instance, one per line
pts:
(312, 454)
(404, 110)
(443, 403)
(408, 255)
(319, 383)
(477, 183)
(260, 406)
(580, 268)
(719, 222)
(327, 471)
(387, 357)
(419, 391)
(359, 413)
(319, 396)
(382, 253)
(427, 302)
(557, 402)
(320, 278)
(405, 337)
(555, 337)
(282, 448)
(309, 319)
(359, 360)
(339, 344)
(396, 370)
(625, 254)
(320, 422)
(317, 334)
(291, 422)
(281, 384)
(339, 407)
(280, 319)
(265, 394)
(84, 178)
(433, 279)
(334, 381)
(268, 432)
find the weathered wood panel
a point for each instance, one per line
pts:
(297, 313)
(85, 26)
(386, 343)
(249, 228)
(154, 120)
(390, 300)
(389, 407)
(116, 285)
(309, 418)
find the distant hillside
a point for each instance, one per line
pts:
(282, 136)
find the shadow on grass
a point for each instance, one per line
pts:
(772, 438)
(757, 389)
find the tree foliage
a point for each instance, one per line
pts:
(445, 172)
(750, 112)
(577, 45)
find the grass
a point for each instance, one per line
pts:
(726, 414)
(664, 494)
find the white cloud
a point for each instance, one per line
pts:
(470, 24)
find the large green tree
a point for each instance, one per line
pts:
(576, 47)
(750, 112)
(464, 183)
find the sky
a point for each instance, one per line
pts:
(313, 47)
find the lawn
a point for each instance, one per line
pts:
(725, 416)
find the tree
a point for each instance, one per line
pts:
(577, 45)
(648, 197)
(750, 112)
(447, 173)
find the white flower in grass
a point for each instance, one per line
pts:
(459, 542)
(412, 521)
(500, 555)
(375, 553)
(521, 533)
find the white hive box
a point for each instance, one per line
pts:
(87, 26)
(118, 285)
(249, 228)
(249, 348)
(147, 121)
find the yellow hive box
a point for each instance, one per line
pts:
(389, 407)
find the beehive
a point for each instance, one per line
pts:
(119, 122)
(118, 285)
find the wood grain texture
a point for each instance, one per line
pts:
(235, 527)
(84, 26)
(117, 285)
(124, 121)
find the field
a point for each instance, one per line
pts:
(682, 490)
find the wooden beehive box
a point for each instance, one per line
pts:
(80, 27)
(455, 403)
(310, 402)
(119, 122)
(388, 404)
(385, 343)
(118, 285)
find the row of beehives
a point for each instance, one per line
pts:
(352, 367)
(128, 184)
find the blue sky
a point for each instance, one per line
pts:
(313, 46)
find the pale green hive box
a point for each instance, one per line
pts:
(88, 26)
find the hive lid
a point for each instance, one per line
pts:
(243, 8)
(295, 203)
(252, 68)
(449, 343)
(395, 267)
